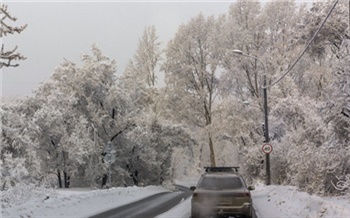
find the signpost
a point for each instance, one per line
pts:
(110, 158)
(266, 124)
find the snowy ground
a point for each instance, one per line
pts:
(287, 201)
(79, 202)
(271, 201)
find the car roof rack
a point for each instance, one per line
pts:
(221, 169)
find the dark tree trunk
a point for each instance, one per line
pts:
(59, 179)
(135, 179)
(212, 154)
(3, 186)
(66, 179)
(104, 180)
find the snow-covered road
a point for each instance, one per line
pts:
(270, 201)
(150, 206)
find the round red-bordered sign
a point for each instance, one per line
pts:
(267, 148)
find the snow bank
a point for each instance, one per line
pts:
(78, 202)
(24, 193)
(287, 201)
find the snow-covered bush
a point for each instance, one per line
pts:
(339, 115)
(303, 153)
(343, 184)
(299, 153)
(253, 164)
(19, 160)
(23, 193)
(13, 170)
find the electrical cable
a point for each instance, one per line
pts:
(307, 46)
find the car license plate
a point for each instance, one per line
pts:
(225, 201)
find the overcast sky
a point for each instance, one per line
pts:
(64, 29)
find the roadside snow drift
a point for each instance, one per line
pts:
(287, 201)
(79, 202)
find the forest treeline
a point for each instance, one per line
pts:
(208, 112)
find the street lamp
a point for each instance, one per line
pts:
(266, 124)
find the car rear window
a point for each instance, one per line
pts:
(217, 183)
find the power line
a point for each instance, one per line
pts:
(307, 46)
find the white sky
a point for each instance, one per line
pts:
(64, 29)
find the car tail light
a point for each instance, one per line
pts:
(247, 194)
(194, 195)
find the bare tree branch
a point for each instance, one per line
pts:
(6, 57)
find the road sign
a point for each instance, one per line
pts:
(110, 158)
(110, 153)
(110, 148)
(267, 148)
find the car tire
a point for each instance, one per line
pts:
(195, 214)
(250, 215)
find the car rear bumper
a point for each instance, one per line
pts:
(244, 209)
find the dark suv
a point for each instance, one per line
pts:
(221, 191)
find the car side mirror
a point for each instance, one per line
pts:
(251, 188)
(192, 188)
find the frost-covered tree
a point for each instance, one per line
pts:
(16, 148)
(18, 139)
(191, 72)
(54, 125)
(334, 31)
(154, 142)
(239, 129)
(297, 112)
(339, 113)
(146, 59)
(280, 24)
(244, 17)
(61, 131)
(140, 75)
(6, 57)
(13, 170)
(69, 120)
(243, 30)
(150, 144)
(314, 70)
(114, 110)
(91, 87)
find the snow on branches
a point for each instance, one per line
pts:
(7, 57)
